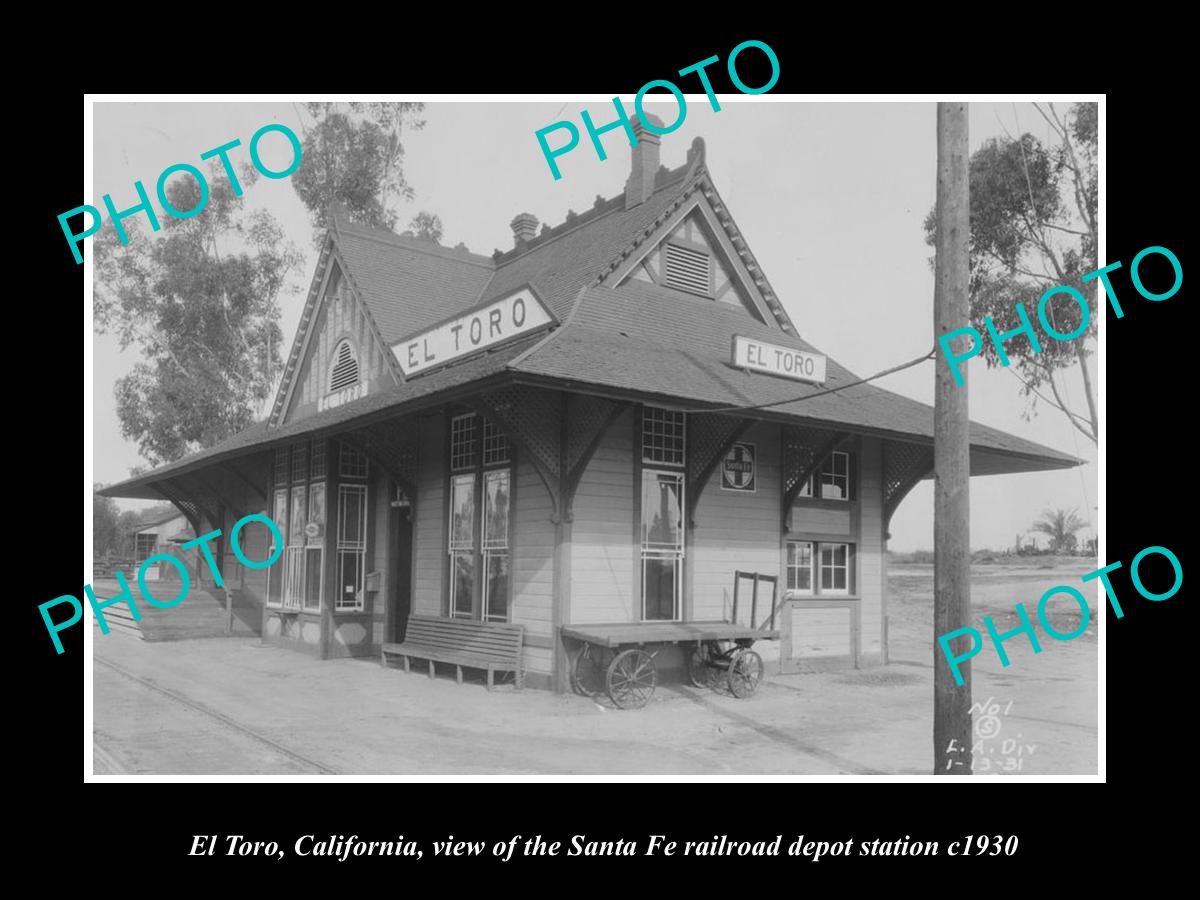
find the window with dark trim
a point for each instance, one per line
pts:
(833, 481)
(664, 453)
(352, 462)
(480, 509)
(300, 463)
(281, 467)
(664, 440)
(318, 460)
(298, 508)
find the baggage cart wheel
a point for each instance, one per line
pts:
(745, 672)
(699, 665)
(588, 670)
(632, 679)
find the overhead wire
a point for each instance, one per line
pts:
(841, 387)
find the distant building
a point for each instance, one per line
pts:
(159, 535)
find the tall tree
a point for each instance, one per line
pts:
(200, 301)
(354, 157)
(1060, 525)
(1034, 226)
(106, 525)
(426, 225)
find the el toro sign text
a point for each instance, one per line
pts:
(775, 360)
(517, 314)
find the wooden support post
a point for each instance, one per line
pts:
(561, 610)
(951, 447)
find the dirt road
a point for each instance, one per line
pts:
(233, 706)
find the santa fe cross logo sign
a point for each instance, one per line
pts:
(737, 468)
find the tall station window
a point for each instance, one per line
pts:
(663, 456)
(351, 535)
(480, 494)
(298, 508)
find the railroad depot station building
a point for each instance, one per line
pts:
(571, 431)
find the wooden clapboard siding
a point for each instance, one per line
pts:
(820, 632)
(821, 520)
(533, 561)
(602, 549)
(538, 661)
(429, 538)
(338, 315)
(737, 531)
(870, 545)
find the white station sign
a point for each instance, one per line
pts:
(471, 332)
(775, 360)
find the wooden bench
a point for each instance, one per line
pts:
(494, 646)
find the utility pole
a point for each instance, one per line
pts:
(951, 447)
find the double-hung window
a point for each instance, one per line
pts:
(480, 495)
(800, 566)
(818, 567)
(833, 481)
(664, 452)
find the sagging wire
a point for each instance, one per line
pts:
(841, 387)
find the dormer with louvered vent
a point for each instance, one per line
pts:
(339, 356)
(688, 270)
(694, 257)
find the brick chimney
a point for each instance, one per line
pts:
(524, 228)
(645, 162)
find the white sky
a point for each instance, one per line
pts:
(830, 196)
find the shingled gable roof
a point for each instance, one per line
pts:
(420, 393)
(577, 253)
(646, 340)
(408, 283)
(635, 339)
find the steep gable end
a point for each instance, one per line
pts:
(698, 252)
(342, 357)
(690, 259)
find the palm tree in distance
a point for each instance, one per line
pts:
(1060, 526)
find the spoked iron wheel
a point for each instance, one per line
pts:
(745, 673)
(588, 670)
(699, 665)
(632, 679)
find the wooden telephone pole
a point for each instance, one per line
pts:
(951, 447)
